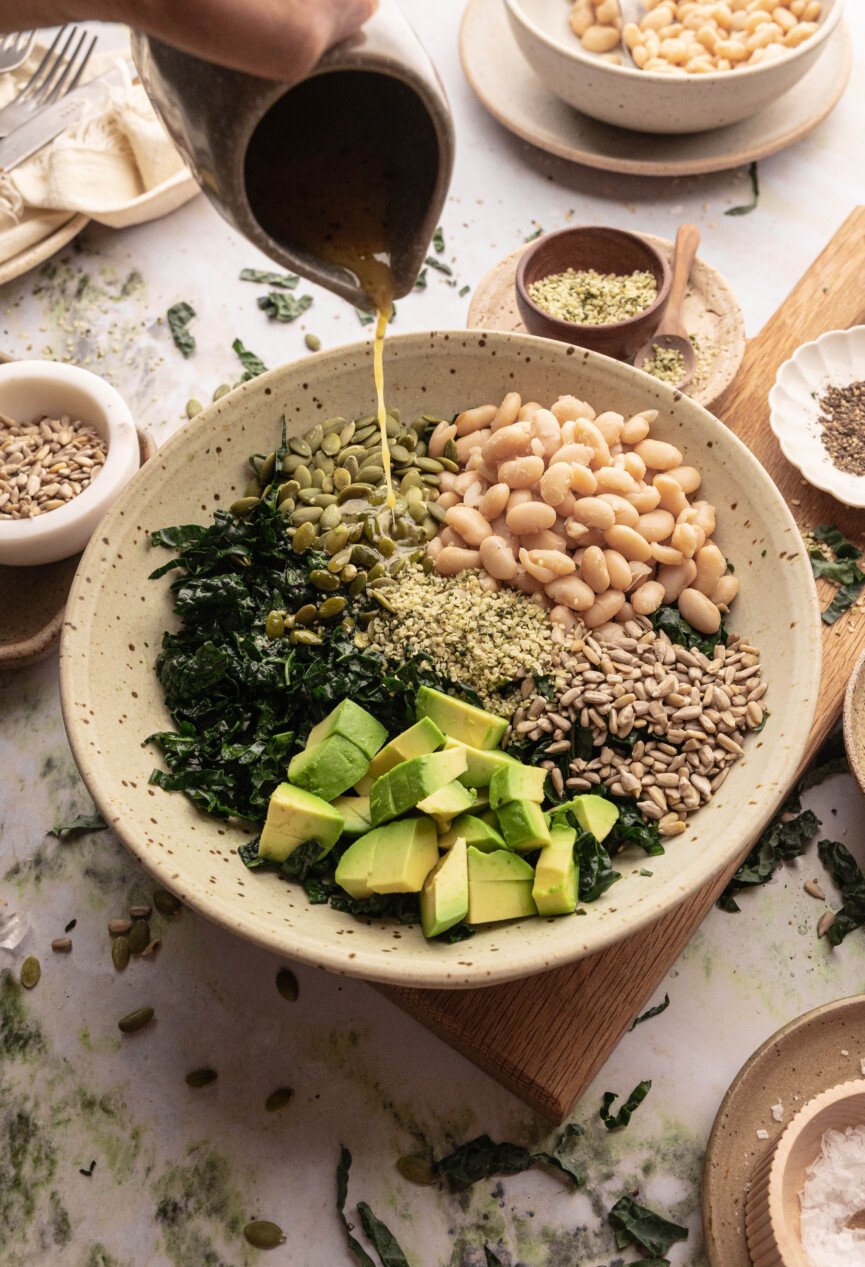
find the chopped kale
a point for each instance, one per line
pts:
(481, 1158)
(748, 207)
(842, 569)
(252, 364)
(846, 873)
(179, 317)
(286, 281)
(383, 1240)
(785, 838)
(439, 267)
(438, 240)
(344, 1166)
(652, 1011)
(79, 825)
(671, 622)
(282, 307)
(637, 1225)
(615, 1122)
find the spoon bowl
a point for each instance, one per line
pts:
(671, 343)
(672, 333)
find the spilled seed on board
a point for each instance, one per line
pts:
(139, 936)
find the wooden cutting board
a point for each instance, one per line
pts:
(546, 1037)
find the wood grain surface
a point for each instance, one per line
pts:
(545, 1037)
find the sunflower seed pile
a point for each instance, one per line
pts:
(43, 465)
(692, 714)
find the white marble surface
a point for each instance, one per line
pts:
(178, 1172)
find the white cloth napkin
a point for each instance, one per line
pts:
(117, 166)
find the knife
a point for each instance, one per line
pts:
(61, 115)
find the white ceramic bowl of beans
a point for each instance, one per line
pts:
(33, 390)
(654, 101)
(836, 359)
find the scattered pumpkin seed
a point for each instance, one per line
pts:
(331, 607)
(244, 505)
(448, 464)
(336, 423)
(437, 513)
(332, 516)
(298, 445)
(387, 546)
(383, 602)
(166, 903)
(222, 390)
(289, 489)
(353, 492)
(336, 540)
(313, 342)
(303, 538)
(306, 515)
(306, 615)
(61, 945)
(348, 573)
(278, 1100)
(139, 936)
(338, 561)
(286, 983)
(31, 971)
(430, 466)
(200, 1078)
(417, 1170)
(451, 451)
(303, 475)
(193, 407)
(120, 952)
(133, 1021)
(274, 626)
(375, 572)
(358, 585)
(305, 636)
(322, 580)
(117, 927)
(341, 478)
(330, 445)
(268, 466)
(263, 1234)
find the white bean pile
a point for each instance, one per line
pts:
(584, 511)
(684, 37)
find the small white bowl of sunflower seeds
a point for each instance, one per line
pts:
(68, 445)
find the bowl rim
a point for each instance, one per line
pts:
(857, 766)
(578, 54)
(581, 328)
(827, 483)
(122, 441)
(432, 971)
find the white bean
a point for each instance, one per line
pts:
(647, 598)
(705, 517)
(594, 513)
(528, 410)
(446, 500)
(582, 480)
(509, 442)
(645, 499)
(568, 407)
(725, 591)
(532, 516)
(546, 430)
(640, 573)
(711, 566)
(469, 523)
(667, 555)
(634, 430)
(618, 570)
(555, 561)
(570, 591)
(687, 538)
(671, 495)
(555, 483)
(475, 419)
(657, 525)
(564, 616)
(518, 497)
(594, 571)
(606, 607)
(623, 509)
(466, 445)
(582, 454)
(522, 472)
(699, 611)
(658, 455)
(687, 477)
(610, 425)
(537, 570)
(507, 412)
(629, 543)
(444, 431)
(546, 539)
(613, 480)
(675, 579)
(452, 560)
(494, 501)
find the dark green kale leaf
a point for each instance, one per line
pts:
(844, 598)
(846, 873)
(252, 364)
(432, 262)
(382, 1238)
(671, 622)
(832, 537)
(780, 842)
(842, 569)
(282, 307)
(286, 281)
(481, 1158)
(83, 823)
(344, 1166)
(615, 1122)
(179, 317)
(438, 240)
(748, 207)
(451, 936)
(633, 828)
(635, 1224)
(492, 1258)
(652, 1011)
(595, 867)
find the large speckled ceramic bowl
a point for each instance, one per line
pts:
(646, 101)
(115, 618)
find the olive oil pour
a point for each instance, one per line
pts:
(339, 169)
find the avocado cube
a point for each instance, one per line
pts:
(474, 831)
(444, 898)
(517, 783)
(481, 764)
(405, 853)
(555, 890)
(460, 720)
(355, 811)
(419, 739)
(523, 826)
(352, 722)
(594, 814)
(447, 803)
(402, 787)
(328, 769)
(294, 817)
(354, 867)
(500, 886)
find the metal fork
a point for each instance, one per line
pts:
(15, 49)
(58, 72)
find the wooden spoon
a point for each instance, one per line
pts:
(672, 332)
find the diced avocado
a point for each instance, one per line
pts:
(409, 782)
(482, 797)
(354, 867)
(555, 890)
(594, 813)
(490, 817)
(355, 811)
(444, 898)
(460, 720)
(500, 886)
(523, 825)
(352, 722)
(405, 853)
(517, 783)
(424, 736)
(328, 769)
(295, 816)
(447, 803)
(480, 765)
(474, 831)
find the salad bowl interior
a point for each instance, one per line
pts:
(116, 616)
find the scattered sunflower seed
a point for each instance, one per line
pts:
(825, 922)
(119, 927)
(814, 889)
(150, 950)
(61, 945)
(140, 911)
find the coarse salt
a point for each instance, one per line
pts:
(778, 1112)
(833, 1193)
(762, 1135)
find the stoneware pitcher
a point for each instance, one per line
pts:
(217, 118)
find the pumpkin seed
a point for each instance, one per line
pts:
(448, 464)
(322, 580)
(307, 496)
(378, 497)
(346, 435)
(416, 1170)
(372, 473)
(427, 530)
(306, 515)
(253, 489)
(364, 556)
(61, 945)
(200, 1078)
(264, 1235)
(417, 510)
(336, 540)
(166, 903)
(244, 505)
(381, 582)
(352, 491)
(305, 636)
(427, 565)
(392, 426)
(321, 462)
(378, 570)
(372, 439)
(298, 445)
(339, 560)
(431, 481)
(288, 507)
(119, 926)
(290, 488)
(313, 342)
(193, 407)
(136, 1020)
(331, 517)
(358, 585)
(274, 626)
(383, 602)
(330, 445)
(304, 537)
(387, 546)
(341, 478)
(139, 936)
(268, 466)
(397, 564)
(400, 454)
(303, 476)
(286, 983)
(437, 512)
(31, 971)
(306, 615)
(278, 1100)
(431, 466)
(348, 573)
(331, 607)
(410, 480)
(324, 499)
(408, 440)
(222, 390)
(355, 533)
(451, 452)
(332, 425)
(354, 451)
(313, 437)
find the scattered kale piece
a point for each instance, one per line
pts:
(438, 240)
(360, 1254)
(785, 838)
(481, 1158)
(535, 234)
(671, 622)
(439, 267)
(615, 1122)
(464, 290)
(845, 597)
(383, 1240)
(637, 1225)
(252, 364)
(832, 537)
(282, 307)
(420, 281)
(838, 571)
(451, 936)
(632, 828)
(286, 281)
(748, 207)
(652, 1011)
(596, 868)
(79, 825)
(70, 926)
(842, 569)
(179, 317)
(846, 873)
(88, 1173)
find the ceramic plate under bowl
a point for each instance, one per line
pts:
(42, 250)
(522, 103)
(836, 359)
(805, 1058)
(115, 618)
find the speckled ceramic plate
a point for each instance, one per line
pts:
(817, 1051)
(712, 315)
(41, 251)
(521, 102)
(115, 618)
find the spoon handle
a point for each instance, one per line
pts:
(687, 241)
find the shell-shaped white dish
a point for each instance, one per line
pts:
(836, 359)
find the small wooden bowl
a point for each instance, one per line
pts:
(772, 1210)
(607, 251)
